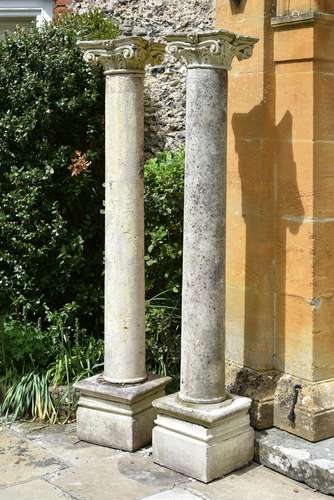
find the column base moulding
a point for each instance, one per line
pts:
(259, 386)
(305, 409)
(118, 416)
(204, 442)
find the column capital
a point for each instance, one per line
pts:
(123, 55)
(212, 49)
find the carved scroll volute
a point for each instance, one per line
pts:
(215, 49)
(123, 55)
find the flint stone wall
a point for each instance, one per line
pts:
(165, 85)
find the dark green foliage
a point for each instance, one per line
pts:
(51, 126)
(163, 222)
(51, 221)
(163, 233)
(65, 349)
(93, 25)
(35, 360)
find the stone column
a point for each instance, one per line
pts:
(204, 432)
(115, 409)
(203, 336)
(124, 357)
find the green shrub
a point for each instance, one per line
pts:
(68, 351)
(34, 361)
(52, 171)
(163, 235)
(163, 222)
(92, 25)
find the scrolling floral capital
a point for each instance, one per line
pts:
(123, 55)
(215, 49)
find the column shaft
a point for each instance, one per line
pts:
(109, 412)
(203, 334)
(124, 230)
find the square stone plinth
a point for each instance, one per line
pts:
(204, 442)
(119, 416)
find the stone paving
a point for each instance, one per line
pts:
(310, 463)
(40, 462)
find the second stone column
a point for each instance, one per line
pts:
(115, 408)
(202, 431)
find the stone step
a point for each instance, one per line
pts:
(310, 463)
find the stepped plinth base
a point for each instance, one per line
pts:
(119, 416)
(204, 442)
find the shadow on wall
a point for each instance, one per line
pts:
(289, 215)
(269, 188)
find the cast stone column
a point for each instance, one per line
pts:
(202, 431)
(115, 409)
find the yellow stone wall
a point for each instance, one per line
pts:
(304, 87)
(280, 198)
(250, 197)
(290, 6)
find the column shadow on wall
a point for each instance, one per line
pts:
(289, 218)
(267, 173)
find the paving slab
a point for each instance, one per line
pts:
(124, 477)
(255, 483)
(175, 494)
(49, 463)
(62, 442)
(33, 490)
(311, 463)
(21, 460)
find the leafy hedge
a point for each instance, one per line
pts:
(51, 121)
(163, 236)
(51, 209)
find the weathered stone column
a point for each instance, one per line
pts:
(124, 358)
(202, 431)
(115, 409)
(202, 359)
